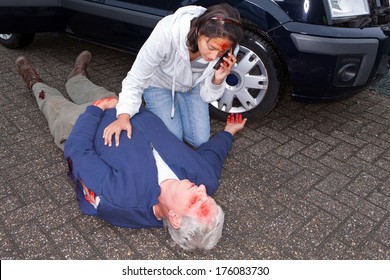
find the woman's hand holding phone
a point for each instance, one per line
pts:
(224, 66)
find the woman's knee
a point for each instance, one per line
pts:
(199, 135)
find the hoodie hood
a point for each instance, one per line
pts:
(181, 26)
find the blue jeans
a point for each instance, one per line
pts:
(191, 121)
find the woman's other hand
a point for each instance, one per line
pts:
(115, 128)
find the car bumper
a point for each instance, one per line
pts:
(332, 63)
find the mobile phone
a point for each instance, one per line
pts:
(220, 60)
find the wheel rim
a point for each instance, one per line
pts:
(247, 84)
(5, 36)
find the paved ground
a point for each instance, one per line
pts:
(309, 181)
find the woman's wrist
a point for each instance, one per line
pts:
(124, 116)
(216, 81)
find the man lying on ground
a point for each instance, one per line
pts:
(150, 180)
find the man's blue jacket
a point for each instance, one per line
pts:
(125, 177)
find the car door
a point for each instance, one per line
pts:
(120, 23)
(31, 16)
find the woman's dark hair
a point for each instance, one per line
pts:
(218, 21)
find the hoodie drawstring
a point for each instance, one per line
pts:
(173, 88)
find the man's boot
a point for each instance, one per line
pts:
(80, 65)
(27, 71)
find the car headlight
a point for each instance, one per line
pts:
(341, 9)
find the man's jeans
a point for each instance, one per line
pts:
(191, 120)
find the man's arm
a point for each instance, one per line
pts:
(217, 148)
(79, 147)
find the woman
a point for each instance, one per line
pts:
(174, 72)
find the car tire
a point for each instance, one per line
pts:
(16, 40)
(255, 82)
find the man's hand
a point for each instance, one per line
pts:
(234, 123)
(106, 103)
(115, 128)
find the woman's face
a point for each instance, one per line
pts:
(212, 48)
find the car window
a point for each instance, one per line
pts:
(151, 7)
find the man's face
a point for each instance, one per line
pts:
(192, 200)
(211, 48)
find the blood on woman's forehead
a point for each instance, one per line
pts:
(224, 44)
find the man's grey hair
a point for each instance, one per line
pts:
(194, 234)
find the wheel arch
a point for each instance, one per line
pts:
(283, 71)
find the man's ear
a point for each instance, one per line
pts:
(174, 219)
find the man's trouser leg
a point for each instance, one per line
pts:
(81, 90)
(61, 114)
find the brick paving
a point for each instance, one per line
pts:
(309, 181)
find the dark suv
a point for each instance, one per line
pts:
(318, 49)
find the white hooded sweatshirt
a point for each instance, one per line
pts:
(164, 62)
